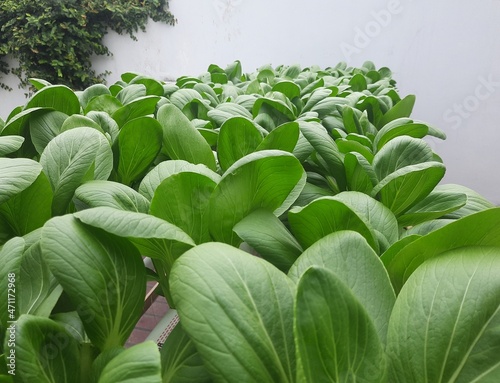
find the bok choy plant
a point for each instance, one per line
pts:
(295, 218)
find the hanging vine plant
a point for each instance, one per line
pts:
(55, 39)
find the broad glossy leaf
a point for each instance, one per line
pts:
(359, 173)
(153, 87)
(154, 237)
(328, 106)
(479, 229)
(38, 289)
(210, 135)
(9, 144)
(404, 188)
(16, 174)
(183, 199)
(180, 360)
(266, 74)
(92, 91)
(263, 231)
(17, 110)
(10, 258)
(310, 192)
(309, 88)
(387, 101)
(351, 120)
(127, 77)
(307, 116)
(253, 87)
(358, 83)
(116, 88)
(267, 121)
(278, 102)
(245, 331)
(139, 107)
(214, 69)
(406, 239)
(324, 216)
(400, 152)
(139, 142)
(169, 89)
(347, 146)
(359, 138)
(181, 141)
(427, 227)
(207, 93)
(319, 139)
(131, 93)
(234, 71)
(18, 123)
(230, 92)
(183, 97)
(167, 168)
(435, 205)
(78, 121)
(200, 125)
(379, 217)
(162, 241)
(102, 360)
(316, 96)
(29, 209)
(238, 136)
(389, 92)
(288, 88)
(291, 71)
(402, 109)
(246, 100)
(138, 364)
(283, 137)
(374, 107)
(444, 327)
(102, 274)
(397, 128)
(39, 83)
(58, 97)
(226, 110)
(219, 78)
(73, 324)
(135, 225)
(111, 194)
(106, 123)
(45, 126)
(303, 149)
(45, 351)
(197, 109)
(269, 179)
(350, 257)
(336, 340)
(6, 232)
(103, 103)
(317, 179)
(73, 157)
(436, 132)
(475, 201)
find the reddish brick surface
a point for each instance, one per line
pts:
(137, 336)
(148, 321)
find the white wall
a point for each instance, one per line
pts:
(446, 52)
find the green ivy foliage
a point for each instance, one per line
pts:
(55, 39)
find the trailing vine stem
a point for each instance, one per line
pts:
(55, 39)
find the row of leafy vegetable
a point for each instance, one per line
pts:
(366, 270)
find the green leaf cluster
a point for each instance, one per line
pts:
(292, 215)
(55, 40)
